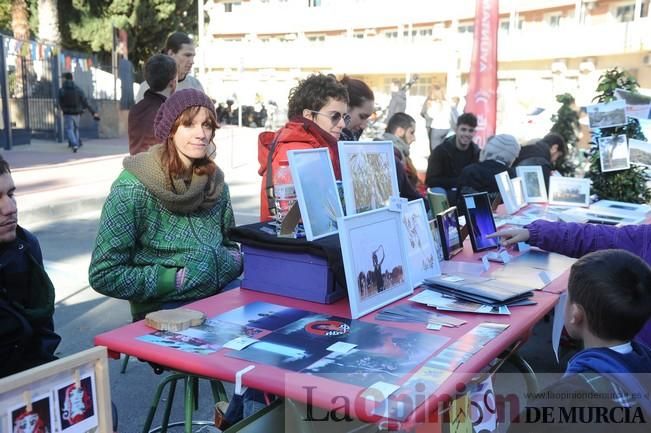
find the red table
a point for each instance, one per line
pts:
(327, 393)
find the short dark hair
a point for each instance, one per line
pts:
(67, 75)
(467, 119)
(554, 138)
(614, 289)
(313, 92)
(358, 92)
(176, 40)
(399, 120)
(4, 166)
(160, 69)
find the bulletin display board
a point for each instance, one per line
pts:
(70, 395)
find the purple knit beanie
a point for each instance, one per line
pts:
(174, 106)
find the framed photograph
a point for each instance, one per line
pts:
(607, 114)
(479, 218)
(450, 232)
(613, 153)
(422, 260)
(374, 251)
(436, 237)
(569, 191)
(638, 105)
(316, 191)
(506, 191)
(639, 152)
(619, 207)
(76, 406)
(368, 174)
(518, 192)
(533, 183)
(69, 395)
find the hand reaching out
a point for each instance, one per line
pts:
(511, 236)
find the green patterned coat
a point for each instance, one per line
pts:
(141, 245)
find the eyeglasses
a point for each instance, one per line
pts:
(335, 117)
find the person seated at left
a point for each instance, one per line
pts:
(27, 336)
(163, 233)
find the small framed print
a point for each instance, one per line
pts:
(533, 183)
(374, 251)
(368, 174)
(518, 192)
(423, 261)
(316, 191)
(613, 153)
(436, 237)
(479, 218)
(451, 241)
(506, 191)
(569, 191)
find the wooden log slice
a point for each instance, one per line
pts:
(177, 319)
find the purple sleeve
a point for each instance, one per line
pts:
(576, 239)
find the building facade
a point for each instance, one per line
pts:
(259, 48)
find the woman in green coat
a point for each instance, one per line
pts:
(162, 237)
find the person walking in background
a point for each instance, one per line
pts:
(398, 102)
(73, 102)
(163, 233)
(317, 112)
(160, 74)
(360, 108)
(438, 116)
(180, 47)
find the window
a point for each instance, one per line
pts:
(391, 34)
(425, 32)
(554, 20)
(313, 3)
(467, 28)
(319, 38)
(625, 13)
(228, 7)
(358, 35)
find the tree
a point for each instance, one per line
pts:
(20, 19)
(622, 185)
(87, 25)
(566, 124)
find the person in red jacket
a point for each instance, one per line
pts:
(317, 113)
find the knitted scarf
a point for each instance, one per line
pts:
(398, 143)
(175, 195)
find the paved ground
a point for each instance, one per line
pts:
(60, 196)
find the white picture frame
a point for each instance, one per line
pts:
(533, 183)
(374, 251)
(316, 191)
(621, 207)
(518, 192)
(614, 153)
(639, 153)
(606, 115)
(569, 191)
(368, 174)
(506, 192)
(423, 261)
(436, 236)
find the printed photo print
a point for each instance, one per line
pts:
(613, 153)
(262, 315)
(640, 152)
(377, 259)
(76, 406)
(37, 420)
(371, 178)
(607, 114)
(419, 250)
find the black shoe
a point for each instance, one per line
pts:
(75, 149)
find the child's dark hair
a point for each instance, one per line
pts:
(614, 289)
(160, 69)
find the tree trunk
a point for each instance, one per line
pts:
(20, 19)
(48, 21)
